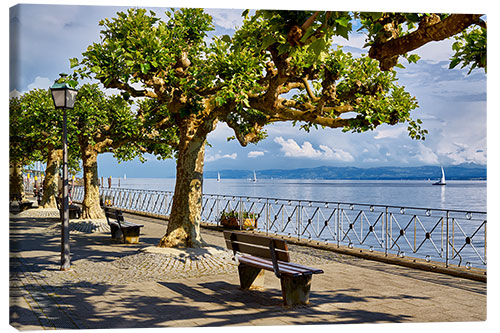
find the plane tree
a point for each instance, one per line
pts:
(267, 72)
(105, 124)
(21, 151)
(37, 129)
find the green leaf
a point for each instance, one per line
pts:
(268, 40)
(343, 21)
(413, 58)
(73, 62)
(318, 46)
(226, 38)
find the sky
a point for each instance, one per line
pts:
(452, 104)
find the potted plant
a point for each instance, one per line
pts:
(231, 219)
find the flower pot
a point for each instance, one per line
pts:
(230, 222)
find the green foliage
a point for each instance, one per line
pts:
(470, 49)
(106, 123)
(237, 215)
(38, 126)
(247, 80)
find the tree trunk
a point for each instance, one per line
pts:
(184, 222)
(51, 181)
(91, 209)
(16, 186)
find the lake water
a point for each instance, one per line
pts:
(460, 195)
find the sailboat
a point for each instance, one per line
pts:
(218, 177)
(254, 177)
(442, 181)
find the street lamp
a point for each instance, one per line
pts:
(64, 97)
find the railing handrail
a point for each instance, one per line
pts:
(452, 235)
(444, 210)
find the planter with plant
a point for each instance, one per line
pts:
(231, 219)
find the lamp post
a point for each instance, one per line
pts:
(64, 97)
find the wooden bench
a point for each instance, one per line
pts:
(74, 211)
(121, 229)
(22, 204)
(259, 253)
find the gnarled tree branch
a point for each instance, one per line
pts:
(387, 52)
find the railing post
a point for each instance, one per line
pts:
(299, 211)
(267, 217)
(447, 236)
(338, 224)
(386, 221)
(241, 214)
(217, 217)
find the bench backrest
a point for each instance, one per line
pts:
(113, 213)
(256, 245)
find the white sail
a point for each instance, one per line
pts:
(124, 176)
(254, 177)
(218, 177)
(443, 180)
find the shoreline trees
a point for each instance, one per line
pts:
(279, 66)
(252, 79)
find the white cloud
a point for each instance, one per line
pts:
(426, 155)
(389, 133)
(40, 83)
(218, 156)
(292, 149)
(458, 152)
(435, 52)
(226, 18)
(254, 154)
(337, 154)
(355, 40)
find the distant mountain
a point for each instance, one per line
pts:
(466, 171)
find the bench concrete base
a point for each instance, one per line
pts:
(296, 289)
(25, 205)
(251, 277)
(131, 235)
(128, 235)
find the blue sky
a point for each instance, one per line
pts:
(452, 104)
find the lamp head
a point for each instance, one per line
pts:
(63, 94)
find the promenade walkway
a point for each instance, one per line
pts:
(115, 285)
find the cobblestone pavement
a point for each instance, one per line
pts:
(113, 285)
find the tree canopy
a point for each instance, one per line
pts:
(279, 66)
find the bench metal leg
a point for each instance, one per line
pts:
(131, 235)
(251, 277)
(296, 290)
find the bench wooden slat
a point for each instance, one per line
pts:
(266, 264)
(255, 239)
(258, 251)
(256, 245)
(130, 224)
(302, 267)
(285, 266)
(282, 266)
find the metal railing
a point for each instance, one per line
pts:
(450, 236)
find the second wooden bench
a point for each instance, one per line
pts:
(258, 253)
(120, 229)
